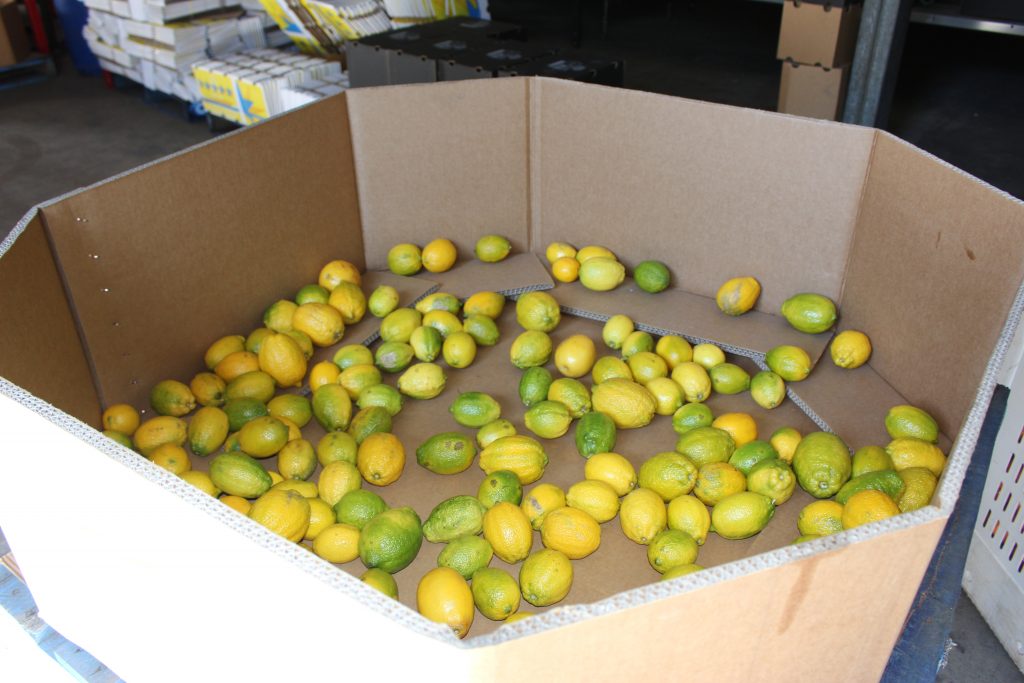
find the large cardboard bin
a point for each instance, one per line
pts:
(107, 290)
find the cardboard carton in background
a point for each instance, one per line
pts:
(919, 255)
(813, 91)
(821, 33)
(14, 46)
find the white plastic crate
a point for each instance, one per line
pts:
(994, 575)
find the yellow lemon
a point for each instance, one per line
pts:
(338, 271)
(616, 330)
(350, 301)
(396, 326)
(785, 440)
(405, 259)
(614, 470)
(642, 515)
(628, 404)
(278, 315)
(519, 616)
(594, 251)
(281, 358)
(538, 311)
(558, 250)
(571, 531)
(741, 427)
(508, 531)
(601, 274)
(324, 372)
(694, 380)
(905, 420)
(717, 481)
(202, 481)
(596, 498)
(646, 366)
(708, 355)
(610, 367)
(738, 295)
(284, 512)
(321, 322)
(306, 489)
(321, 516)
(444, 322)
(868, 506)
(668, 474)
(122, 418)
(303, 340)
(172, 458)
(171, 397)
(263, 437)
(439, 255)
(157, 431)
(335, 446)
(492, 248)
(670, 549)
(255, 339)
(668, 395)
(822, 517)
(541, 500)
(850, 349)
(337, 479)
(381, 458)
(459, 350)
(222, 348)
(791, 363)
(910, 452)
(444, 596)
(489, 304)
(566, 269)
(545, 577)
(530, 349)
(674, 350)
(380, 580)
(637, 342)
(338, 543)
(297, 459)
(574, 357)
(237, 503)
(687, 513)
(439, 301)
(355, 378)
(918, 488)
(208, 389)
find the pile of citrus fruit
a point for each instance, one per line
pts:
(248, 406)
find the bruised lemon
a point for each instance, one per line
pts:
(850, 349)
(172, 458)
(439, 301)
(738, 295)
(489, 304)
(338, 271)
(353, 354)
(208, 389)
(566, 269)
(439, 255)
(540, 501)
(492, 248)
(574, 357)
(616, 330)
(558, 250)
(405, 259)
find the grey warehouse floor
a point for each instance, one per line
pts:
(959, 96)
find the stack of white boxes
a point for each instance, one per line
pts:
(257, 84)
(156, 42)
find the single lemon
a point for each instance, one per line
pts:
(566, 269)
(694, 381)
(738, 295)
(741, 426)
(642, 515)
(489, 304)
(541, 500)
(674, 349)
(593, 251)
(439, 255)
(405, 259)
(338, 271)
(708, 355)
(492, 248)
(822, 517)
(868, 506)
(338, 543)
(850, 349)
(444, 596)
(574, 357)
(671, 548)
(571, 531)
(717, 481)
(596, 498)
(616, 329)
(687, 513)
(614, 470)
(557, 250)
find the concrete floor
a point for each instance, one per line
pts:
(71, 131)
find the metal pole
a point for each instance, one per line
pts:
(876, 61)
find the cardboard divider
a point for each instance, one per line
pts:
(693, 316)
(40, 349)
(517, 273)
(443, 160)
(713, 191)
(165, 260)
(853, 403)
(928, 277)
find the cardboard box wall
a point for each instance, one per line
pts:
(813, 91)
(124, 557)
(821, 34)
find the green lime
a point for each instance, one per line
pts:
(312, 294)
(466, 555)
(727, 378)
(886, 481)
(534, 385)
(651, 276)
(358, 507)
(811, 313)
(426, 343)
(749, 454)
(454, 517)
(670, 475)
(391, 540)
(822, 464)
(382, 301)
(767, 389)
(691, 416)
(475, 409)
(495, 593)
(595, 433)
(242, 410)
(908, 421)
(382, 395)
(446, 453)
(482, 329)
(705, 445)
(671, 548)
(548, 419)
